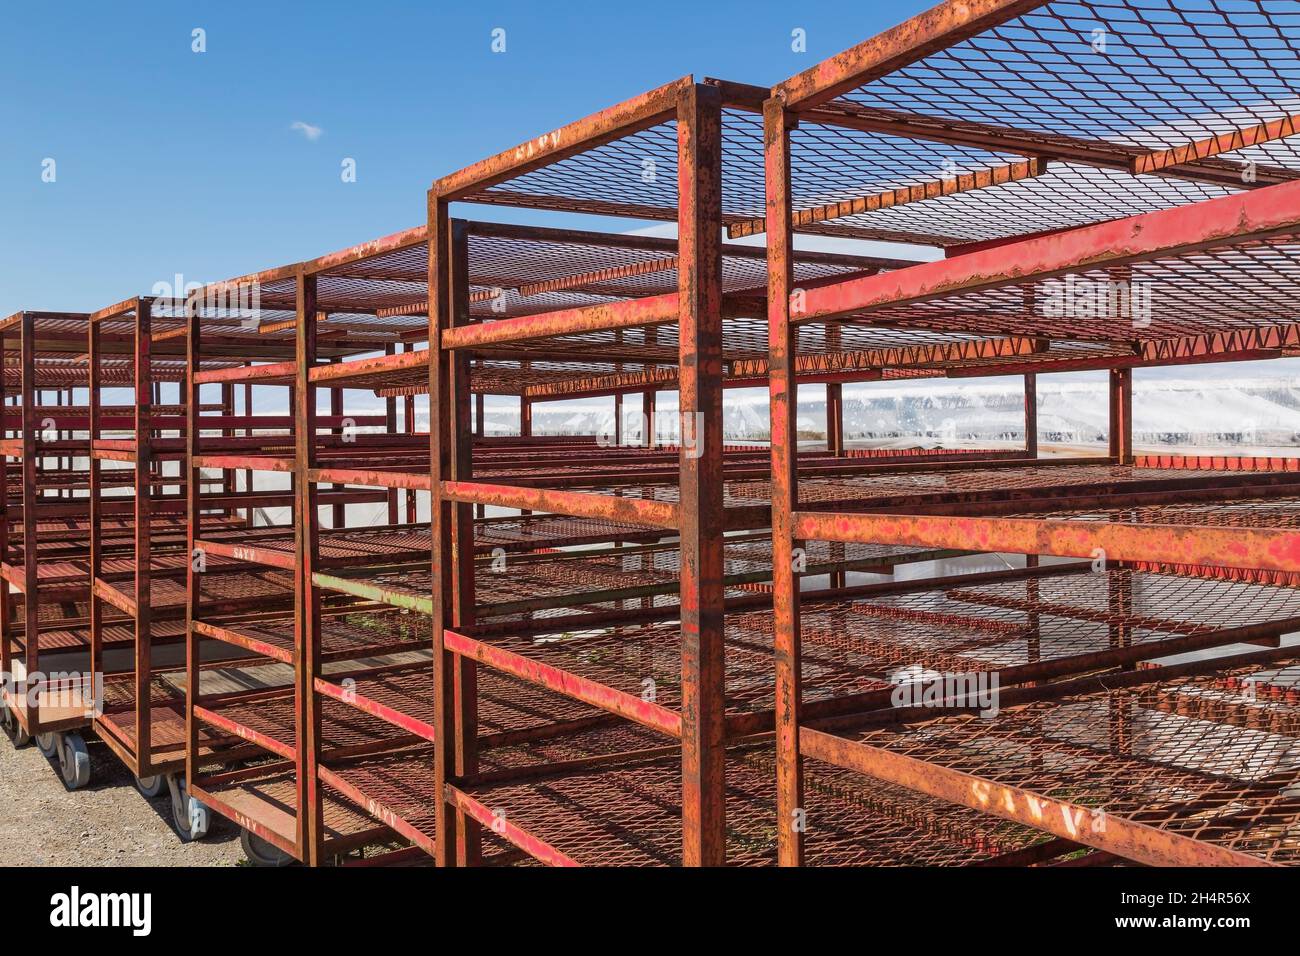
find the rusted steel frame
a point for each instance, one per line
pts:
(374, 592)
(631, 116)
(902, 196)
(903, 356)
(1062, 818)
(1249, 463)
(199, 788)
(410, 724)
(1249, 216)
(379, 810)
(1255, 339)
(619, 240)
(247, 462)
(936, 29)
(656, 514)
(1120, 434)
(699, 189)
(1049, 364)
(223, 723)
(535, 847)
(531, 773)
(1030, 498)
(228, 635)
(1264, 549)
(629, 706)
(835, 418)
(394, 242)
(1116, 615)
(464, 670)
(783, 406)
(372, 478)
(115, 310)
(627, 313)
(360, 368)
(249, 373)
(241, 552)
(310, 823)
(8, 626)
(31, 594)
(441, 601)
(1102, 154)
(1031, 414)
(143, 493)
(1161, 159)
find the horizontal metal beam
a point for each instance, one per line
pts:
(1251, 216)
(1270, 549)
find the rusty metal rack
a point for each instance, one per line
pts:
(651, 647)
(1176, 200)
(704, 336)
(354, 303)
(45, 588)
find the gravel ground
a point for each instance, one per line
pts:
(108, 823)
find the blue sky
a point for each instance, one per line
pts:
(169, 161)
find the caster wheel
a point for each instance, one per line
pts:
(151, 786)
(261, 853)
(48, 744)
(74, 761)
(12, 728)
(190, 818)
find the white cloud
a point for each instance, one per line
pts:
(313, 133)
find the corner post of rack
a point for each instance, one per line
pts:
(310, 818)
(6, 515)
(144, 467)
(193, 534)
(31, 596)
(699, 277)
(783, 406)
(94, 402)
(440, 452)
(465, 672)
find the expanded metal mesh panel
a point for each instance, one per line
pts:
(1160, 74)
(1200, 757)
(628, 813)
(857, 646)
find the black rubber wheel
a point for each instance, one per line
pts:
(261, 853)
(74, 760)
(151, 786)
(190, 818)
(12, 727)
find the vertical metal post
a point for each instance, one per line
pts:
(96, 491)
(390, 428)
(1121, 415)
(31, 595)
(144, 468)
(444, 763)
(699, 278)
(465, 673)
(777, 124)
(1031, 415)
(6, 592)
(834, 418)
(193, 533)
(338, 511)
(310, 820)
(525, 417)
(250, 513)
